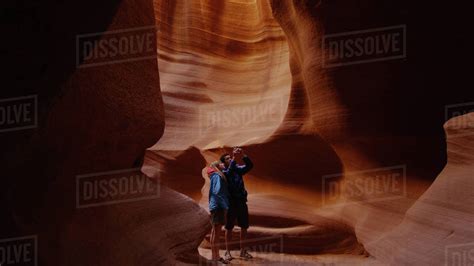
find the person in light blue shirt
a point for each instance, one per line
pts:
(218, 206)
(218, 191)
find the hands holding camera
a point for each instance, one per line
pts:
(238, 151)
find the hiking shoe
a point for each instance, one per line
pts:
(223, 261)
(244, 254)
(228, 256)
(218, 261)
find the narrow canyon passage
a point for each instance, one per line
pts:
(225, 79)
(357, 162)
(250, 73)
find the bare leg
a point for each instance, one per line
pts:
(217, 240)
(243, 236)
(213, 242)
(228, 239)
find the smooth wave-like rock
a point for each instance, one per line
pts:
(300, 229)
(178, 170)
(163, 231)
(90, 119)
(333, 120)
(259, 63)
(439, 224)
(214, 63)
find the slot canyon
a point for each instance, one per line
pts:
(355, 162)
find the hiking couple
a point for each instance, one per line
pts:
(228, 202)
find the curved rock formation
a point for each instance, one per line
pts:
(219, 57)
(178, 170)
(163, 231)
(90, 119)
(301, 230)
(231, 73)
(438, 227)
(332, 120)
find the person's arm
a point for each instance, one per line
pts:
(233, 163)
(223, 202)
(248, 165)
(215, 184)
(243, 169)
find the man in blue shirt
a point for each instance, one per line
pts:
(238, 209)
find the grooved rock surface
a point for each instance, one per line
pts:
(223, 69)
(246, 73)
(439, 226)
(223, 87)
